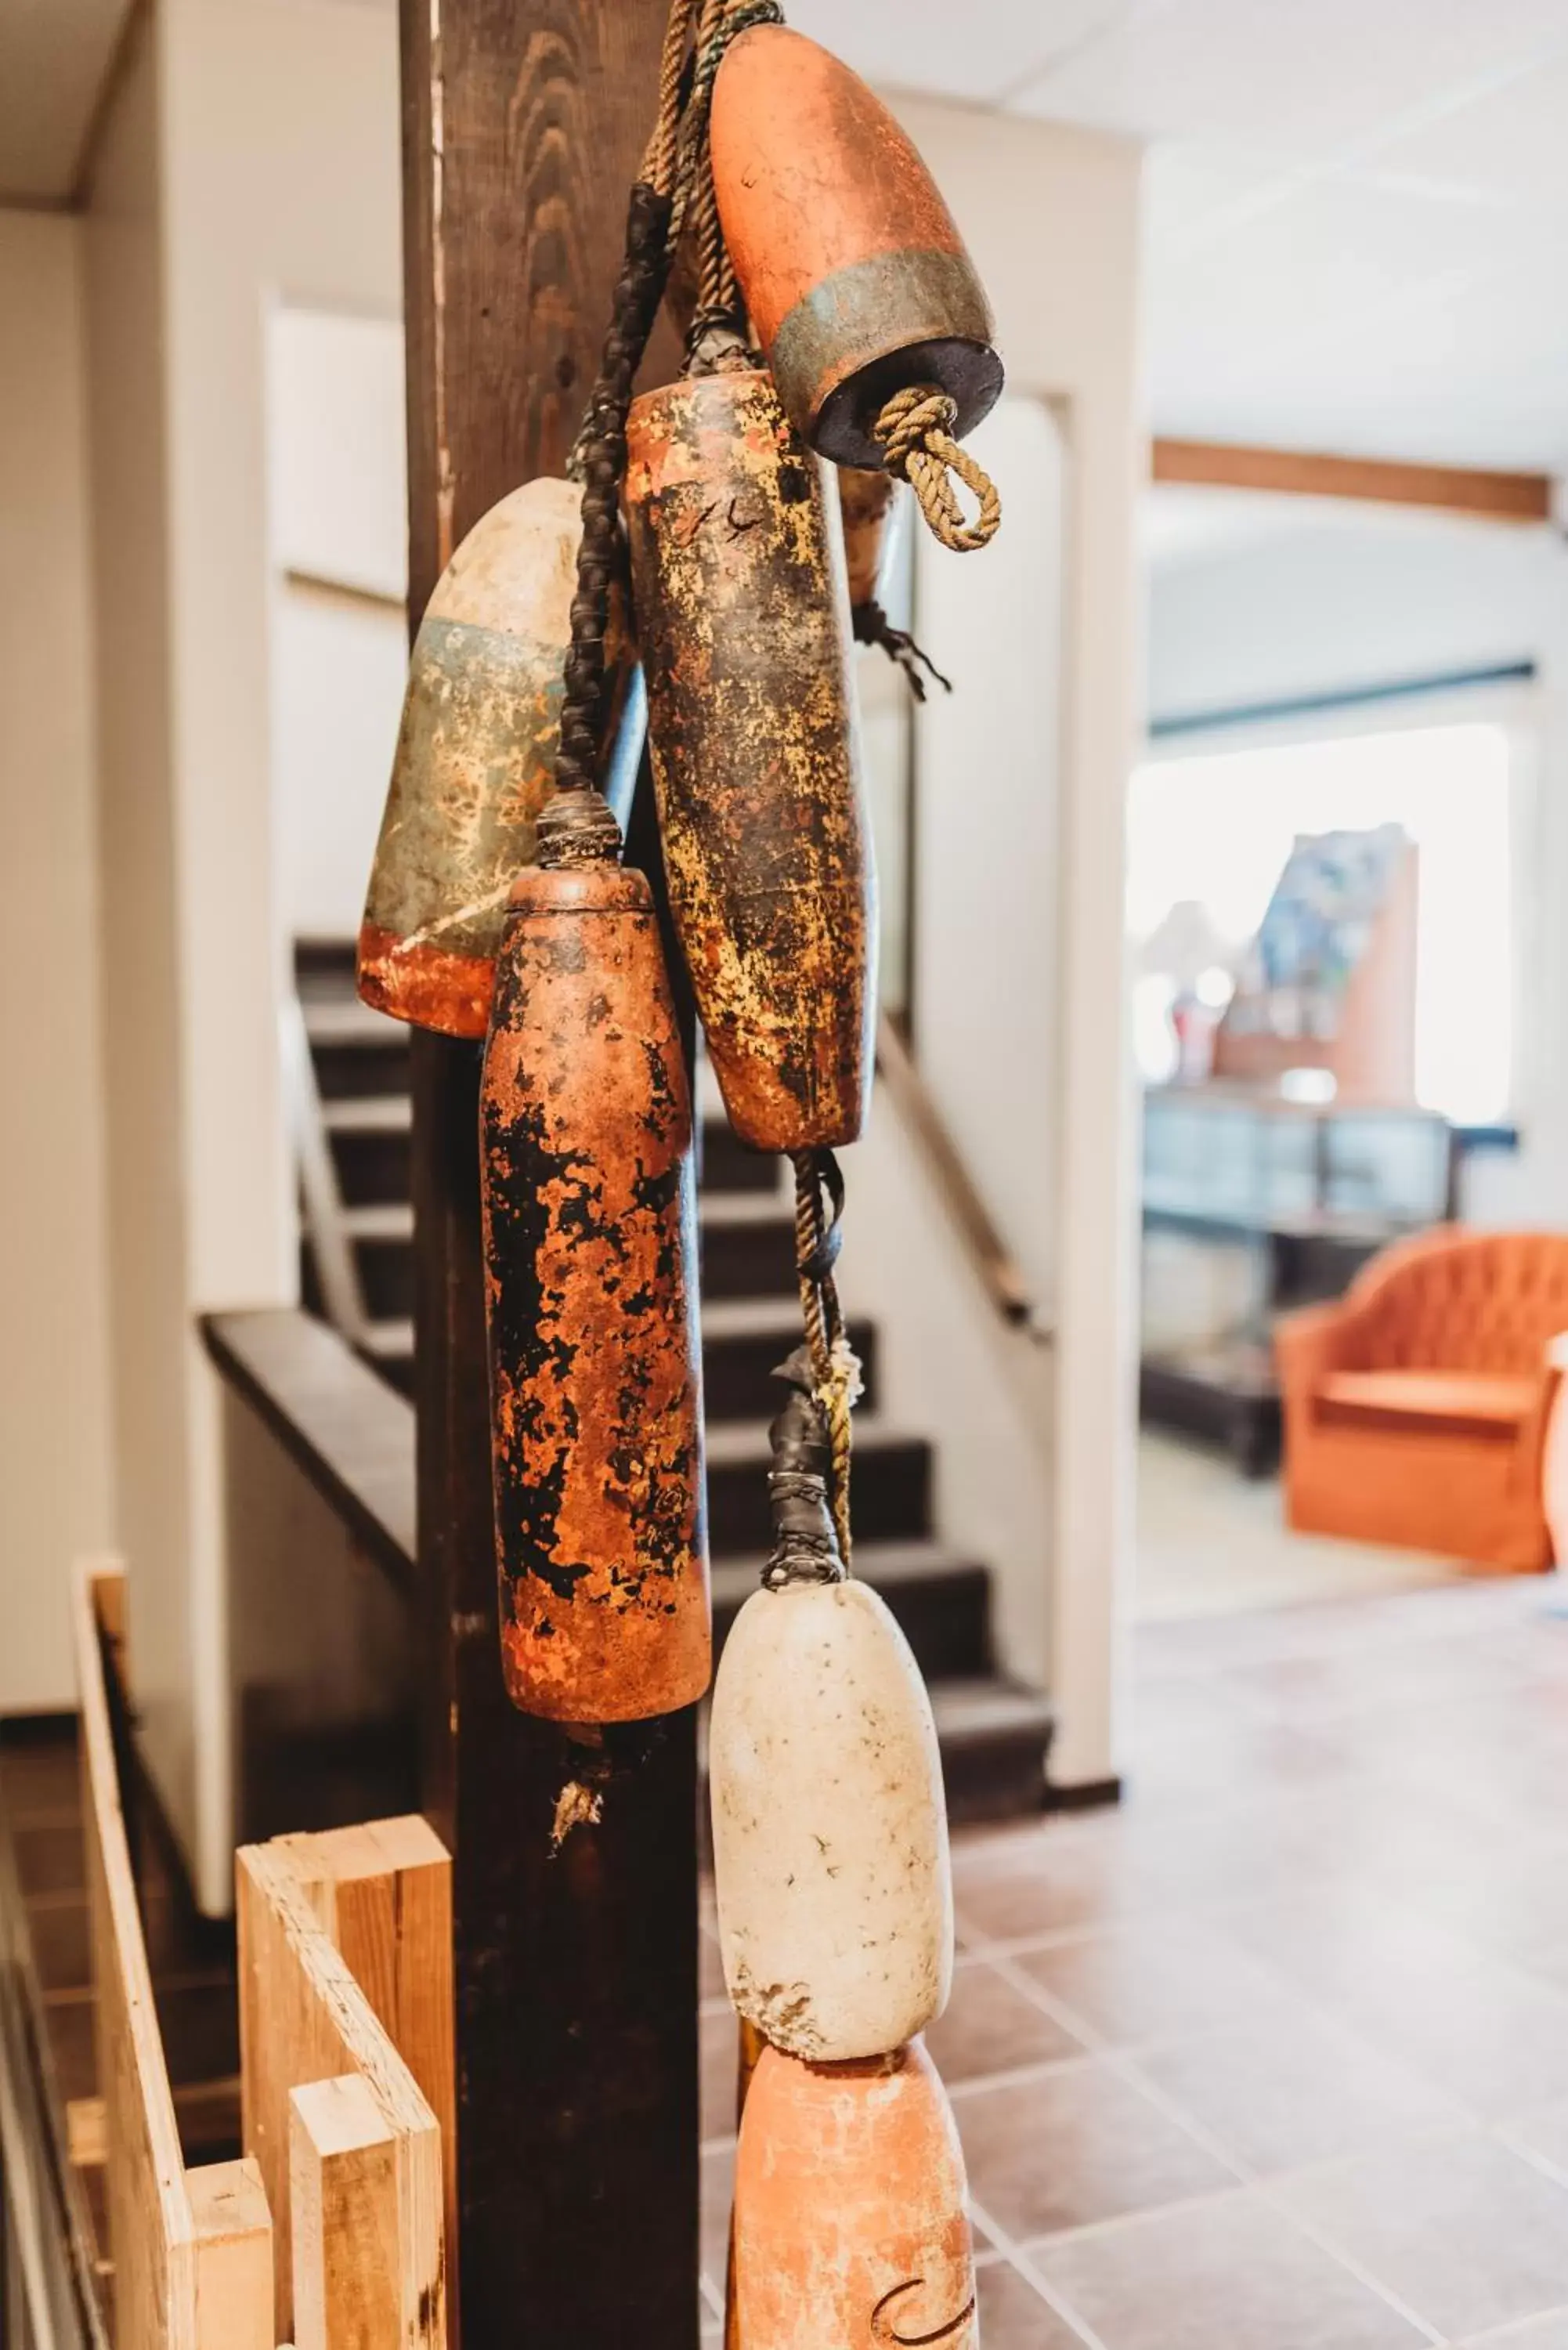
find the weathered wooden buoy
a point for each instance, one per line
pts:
(855, 277)
(830, 1840)
(867, 502)
(590, 1296)
(850, 2232)
(475, 755)
(738, 574)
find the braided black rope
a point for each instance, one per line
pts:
(805, 1541)
(601, 459)
(872, 627)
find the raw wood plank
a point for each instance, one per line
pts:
(304, 2019)
(233, 2257)
(1295, 473)
(343, 2195)
(177, 2271)
(382, 1895)
(575, 1973)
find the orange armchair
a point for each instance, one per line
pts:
(1416, 1408)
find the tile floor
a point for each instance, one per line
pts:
(1275, 2057)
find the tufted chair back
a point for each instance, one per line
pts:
(1455, 1300)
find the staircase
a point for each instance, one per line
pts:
(358, 1269)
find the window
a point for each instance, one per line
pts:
(1213, 832)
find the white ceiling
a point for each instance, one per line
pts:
(1357, 209)
(54, 54)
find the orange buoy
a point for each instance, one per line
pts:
(850, 2232)
(738, 575)
(476, 756)
(855, 278)
(591, 1307)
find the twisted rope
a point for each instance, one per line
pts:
(835, 1369)
(916, 433)
(872, 627)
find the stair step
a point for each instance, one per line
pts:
(995, 1736)
(942, 1600)
(344, 1020)
(748, 1245)
(892, 1486)
(369, 1114)
(324, 963)
(381, 1221)
(728, 1165)
(744, 1341)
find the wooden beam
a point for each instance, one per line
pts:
(1453, 489)
(342, 2193)
(576, 1964)
(304, 2019)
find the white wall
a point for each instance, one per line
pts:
(55, 1449)
(1323, 599)
(1050, 215)
(251, 161)
(339, 636)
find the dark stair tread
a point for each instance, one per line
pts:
(344, 1020)
(941, 1600)
(995, 1735)
(883, 1564)
(732, 1208)
(738, 1443)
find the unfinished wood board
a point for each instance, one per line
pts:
(382, 1896)
(342, 2160)
(191, 2250)
(304, 2019)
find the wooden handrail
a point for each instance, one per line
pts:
(993, 1261)
(351, 1435)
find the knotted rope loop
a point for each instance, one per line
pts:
(916, 432)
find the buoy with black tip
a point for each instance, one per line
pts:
(475, 757)
(855, 279)
(830, 1838)
(590, 1286)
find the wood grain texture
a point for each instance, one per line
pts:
(1490, 497)
(303, 2018)
(343, 2194)
(191, 2250)
(382, 1895)
(574, 1970)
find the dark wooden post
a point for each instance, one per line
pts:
(576, 1965)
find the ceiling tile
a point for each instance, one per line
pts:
(1309, 77)
(976, 52)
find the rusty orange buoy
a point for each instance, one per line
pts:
(475, 754)
(591, 1305)
(855, 277)
(850, 2232)
(738, 574)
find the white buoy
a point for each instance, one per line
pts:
(830, 1841)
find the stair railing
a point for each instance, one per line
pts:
(972, 1220)
(320, 1196)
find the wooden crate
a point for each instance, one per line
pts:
(334, 2227)
(192, 2250)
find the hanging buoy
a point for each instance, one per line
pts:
(854, 275)
(475, 754)
(850, 2232)
(830, 1839)
(591, 1302)
(867, 502)
(738, 573)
